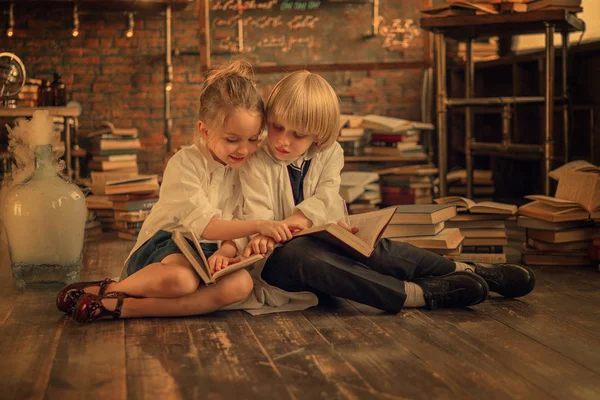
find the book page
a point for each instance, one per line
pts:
(580, 187)
(243, 263)
(553, 201)
(197, 260)
(490, 206)
(577, 165)
(456, 200)
(371, 225)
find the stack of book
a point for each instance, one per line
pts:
(93, 227)
(410, 184)
(132, 199)
(360, 191)
(352, 136)
(394, 137)
(424, 226)
(561, 230)
(114, 149)
(102, 208)
(483, 184)
(483, 226)
(490, 7)
(28, 95)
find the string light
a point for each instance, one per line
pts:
(75, 32)
(130, 25)
(11, 21)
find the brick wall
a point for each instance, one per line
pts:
(121, 80)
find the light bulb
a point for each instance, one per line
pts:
(9, 32)
(129, 33)
(75, 32)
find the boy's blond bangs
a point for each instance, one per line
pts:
(307, 104)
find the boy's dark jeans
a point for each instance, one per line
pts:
(309, 264)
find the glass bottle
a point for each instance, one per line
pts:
(45, 221)
(46, 98)
(59, 91)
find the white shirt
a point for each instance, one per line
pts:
(195, 189)
(268, 195)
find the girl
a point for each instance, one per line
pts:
(295, 177)
(199, 192)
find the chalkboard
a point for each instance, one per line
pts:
(313, 32)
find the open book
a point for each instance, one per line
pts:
(135, 184)
(577, 193)
(200, 263)
(370, 228)
(573, 166)
(483, 207)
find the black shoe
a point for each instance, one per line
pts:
(457, 289)
(509, 280)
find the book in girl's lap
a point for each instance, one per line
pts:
(295, 177)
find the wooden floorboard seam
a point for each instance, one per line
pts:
(270, 360)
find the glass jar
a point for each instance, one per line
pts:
(44, 218)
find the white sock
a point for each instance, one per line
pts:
(414, 295)
(463, 267)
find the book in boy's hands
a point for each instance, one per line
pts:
(198, 260)
(483, 207)
(370, 228)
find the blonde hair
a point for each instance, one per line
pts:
(228, 88)
(307, 103)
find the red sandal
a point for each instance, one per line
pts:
(67, 298)
(90, 308)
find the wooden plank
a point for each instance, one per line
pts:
(97, 348)
(386, 364)
(162, 362)
(462, 367)
(233, 360)
(308, 364)
(539, 364)
(28, 342)
(10, 293)
(564, 338)
(580, 310)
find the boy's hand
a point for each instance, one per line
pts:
(217, 262)
(280, 231)
(352, 229)
(259, 244)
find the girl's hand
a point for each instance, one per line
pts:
(259, 244)
(280, 231)
(217, 262)
(351, 229)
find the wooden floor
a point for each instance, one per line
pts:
(546, 346)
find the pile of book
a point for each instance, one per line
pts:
(352, 136)
(564, 229)
(482, 49)
(483, 183)
(29, 93)
(483, 225)
(93, 227)
(377, 135)
(490, 7)
(125, 204)
(114, 149)
(425, 226)
(360, 191)
(410, 184)
(394, 137)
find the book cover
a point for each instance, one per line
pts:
(200, 263)
(370, 228)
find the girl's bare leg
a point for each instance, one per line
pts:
(206, 299)
(174, 276)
